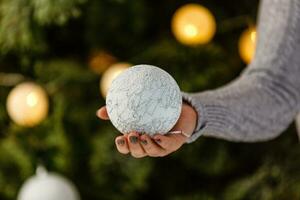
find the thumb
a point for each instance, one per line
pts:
(102, 113)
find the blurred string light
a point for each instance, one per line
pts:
(193, 24)
(100, 60)
(247, 44)
(27, 104)
(110, 74)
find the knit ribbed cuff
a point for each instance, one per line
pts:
(200, 116)
(212, 118)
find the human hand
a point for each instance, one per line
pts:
(159, 145)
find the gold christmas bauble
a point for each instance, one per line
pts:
(247, 44)
(110, 74)
(27, 104)
(193, 24)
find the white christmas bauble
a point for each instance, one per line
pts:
(48, 186)
(145, 99)
(27, 104)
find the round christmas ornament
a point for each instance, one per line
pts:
(145, 99)
(193, 24)
(27, 104)
(48, 186)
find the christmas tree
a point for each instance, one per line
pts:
(66, 47)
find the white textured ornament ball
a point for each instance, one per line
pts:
(145, 99)
(27, 104)
(48, 186)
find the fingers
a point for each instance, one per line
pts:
(122, 145)
(102, 113)
(141, 146)
(152, 148)
(134, 145)
(170, 142)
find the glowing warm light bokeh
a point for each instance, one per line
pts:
(27, 104)
(247, 44)
(32, 99)
(110, 74)
(193, 24)
(99, 61)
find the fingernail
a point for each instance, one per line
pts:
(137, 133)
(158, 140)
(120, 142)
(144, 142)
(133, 139)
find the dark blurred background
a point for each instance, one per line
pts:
(66, 47)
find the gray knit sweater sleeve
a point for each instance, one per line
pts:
(265, 98)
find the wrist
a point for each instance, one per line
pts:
(192, 116)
